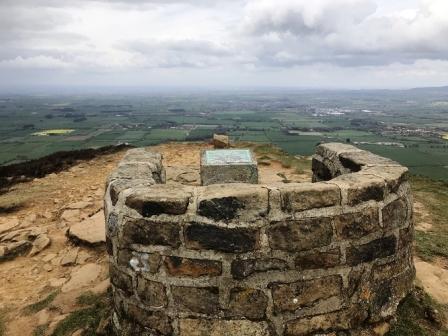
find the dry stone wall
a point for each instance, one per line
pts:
(332, 257)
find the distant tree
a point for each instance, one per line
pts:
(347, 140)
(49, 116)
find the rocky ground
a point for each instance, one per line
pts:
(53, 268)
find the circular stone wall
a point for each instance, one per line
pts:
(260, 260)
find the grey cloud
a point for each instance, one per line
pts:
(343, 33)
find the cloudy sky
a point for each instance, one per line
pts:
(224, 43)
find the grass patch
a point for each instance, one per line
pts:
(271, 152)
(434, 196)
(419, 315)
(87, 318)
(2, 322)
(40, 305)
(40, 330)
(89, 299)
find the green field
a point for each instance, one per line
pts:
(412, 134)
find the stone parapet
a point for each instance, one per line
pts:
(265, 260)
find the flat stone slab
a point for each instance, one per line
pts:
(228, 166)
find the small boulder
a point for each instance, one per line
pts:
(91, 231)
(69, 258)
(220, 141)
(39, 244)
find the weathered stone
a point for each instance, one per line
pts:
(196, 299)
(71, 216)
(220, 141)
(315, 260)
(406, 238)
(155, 320)
(39, 244)
(378, 248)
(297, 197)
(148, 232)
(395, 214)
(159, 199)
(341, 320)
(300, 235)
(191, 327)
(69, 258)
(117, 186)
(91, 231)
(82, 277)
(360, 187)
(8, 224)
(305, 293)
(139, 262)
(393, 175)
(14, 249)
(358, 224)
(246, 267)
(193, 268)
(236, 201)
(248, 303)
(355, 161)
(211, 237)
(120, 279)
(320, 171)
(151, 293)
(136, 170)
(228, 166)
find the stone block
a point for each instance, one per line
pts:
(160, 199)
(240, 202)
(317, 325)
(120, 279)
(355, 161)
(304, 293)
(148, 232)
(395, 214)
(203, 300)
(157, 321)
(393, 175)
(247, 302)
(139, 262)
(151, 293)
(378, 248)
(243, 268)
(221, 141)
(228, 166)
(321, 172)
(360, 187)
(118, 186)
(192, 327)
(317, 259)
(193, 268)
(358, 224)
(297, 197)
(300, 235)
(230, 240)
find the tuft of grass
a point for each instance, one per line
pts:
(40, 330)
(434, 196)
(40, 305)
(419, 315)
(87, 318)
(89, 299)
(3, 322)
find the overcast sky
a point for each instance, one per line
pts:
(224, 43)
